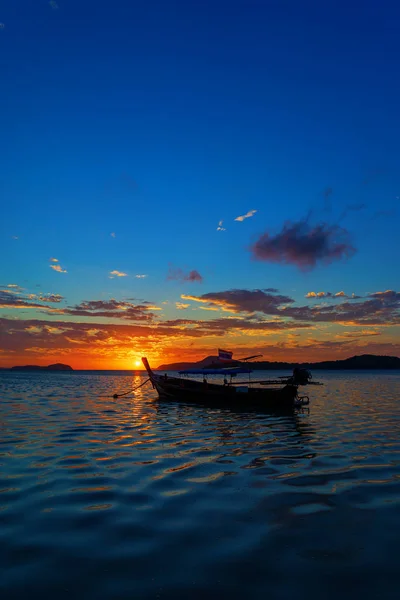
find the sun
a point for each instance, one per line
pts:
(137, 363)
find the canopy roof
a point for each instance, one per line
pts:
(227, 371)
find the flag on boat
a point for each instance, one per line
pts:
(224, 354)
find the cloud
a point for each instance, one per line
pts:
(53, 4)
(135, 328)
(317, 294)
(330, 295)
(220, 228)
(181, 306)
(117, 274)
(303, 245)
(15, 237)
(2, 26)
(51, 298)
(15, 286)
(113, 309)
(179, 275)
(389, 296)
(112, 234)
(58, 268)
(54, 260)
(238, 300)
(33, 329)
(140, 276)
(246, 216)
(381, 308)
(15, 299)
(113, 341)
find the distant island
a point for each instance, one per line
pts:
(365, 361)
(55, 367)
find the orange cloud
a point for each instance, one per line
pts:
(181, 305)
(117, 274)
(58, 268)
(249, 214)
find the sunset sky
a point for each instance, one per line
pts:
(182, 176)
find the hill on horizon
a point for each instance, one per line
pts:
(364, 361)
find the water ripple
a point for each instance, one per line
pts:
(104, 499)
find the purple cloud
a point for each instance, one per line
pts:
(303, 245)
(249, 301)
(179, 275)
(113, 309)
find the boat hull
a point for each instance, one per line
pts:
(219, 395)
(223, 396)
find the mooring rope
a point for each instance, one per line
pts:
(133, 390)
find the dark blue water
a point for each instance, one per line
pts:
(104, 499)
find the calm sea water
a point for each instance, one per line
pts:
(104, 499)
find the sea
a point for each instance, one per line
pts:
(133, 498)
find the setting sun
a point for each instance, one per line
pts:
(138, 363)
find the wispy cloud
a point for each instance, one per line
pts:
(303, 245)
(15, 237)
(181, 305)
(140, 276)
(179, 275)
(54, 260)
(112, 234)
(249, 214)
(53, 4)
(58, 268)
(220, 228)
(51, 298)
(117, 274)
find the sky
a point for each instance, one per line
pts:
(178, 177)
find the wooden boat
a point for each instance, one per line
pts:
(282, 393)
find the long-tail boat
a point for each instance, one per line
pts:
(281, 393)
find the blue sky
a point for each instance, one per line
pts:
(154, 121)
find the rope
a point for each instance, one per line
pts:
(134, 389)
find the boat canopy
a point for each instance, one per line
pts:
(227, 371)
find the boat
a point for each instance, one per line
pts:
(275, 394)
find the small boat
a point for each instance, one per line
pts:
(275, 394)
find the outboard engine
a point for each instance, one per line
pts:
(301, 376)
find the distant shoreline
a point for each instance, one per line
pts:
(55, 367)
(366, 362)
